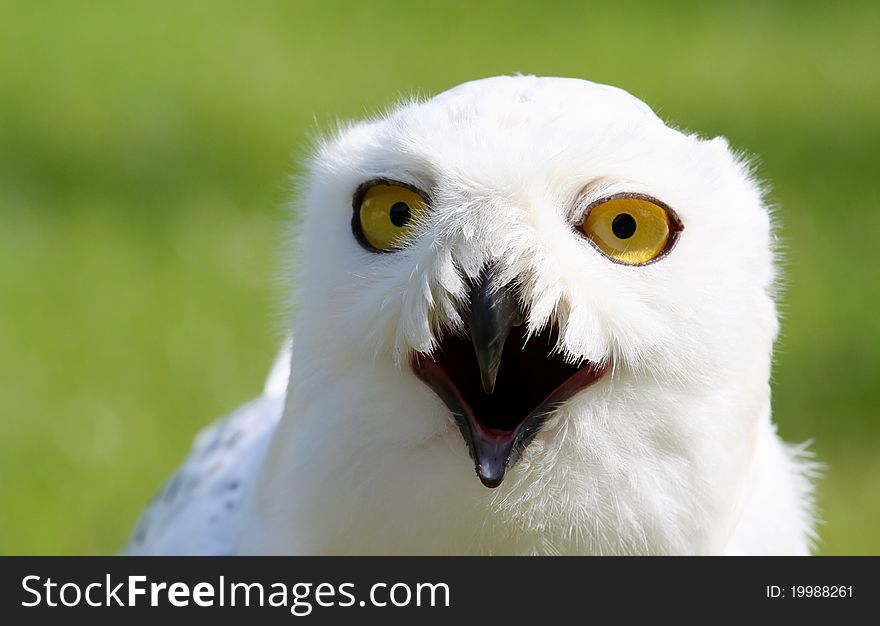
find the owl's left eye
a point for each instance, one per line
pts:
(632, 229)
(386, 214)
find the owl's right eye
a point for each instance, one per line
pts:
(386, 214)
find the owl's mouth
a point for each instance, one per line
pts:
(499, 386)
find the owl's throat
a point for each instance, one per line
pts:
(530, 383)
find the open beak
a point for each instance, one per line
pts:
(500, 388)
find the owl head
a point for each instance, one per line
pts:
(543, 276)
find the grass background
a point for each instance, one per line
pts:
(144, 155)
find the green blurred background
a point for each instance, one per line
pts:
(145, 149)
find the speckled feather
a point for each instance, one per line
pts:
(199, 508)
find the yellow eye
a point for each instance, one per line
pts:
(631, 229)
(385, 214)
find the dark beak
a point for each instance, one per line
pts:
(494, 312)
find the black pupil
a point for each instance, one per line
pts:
(400, 214)
(624, 226)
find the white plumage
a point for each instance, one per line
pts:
(670, 449)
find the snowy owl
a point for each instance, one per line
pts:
(531, 318)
